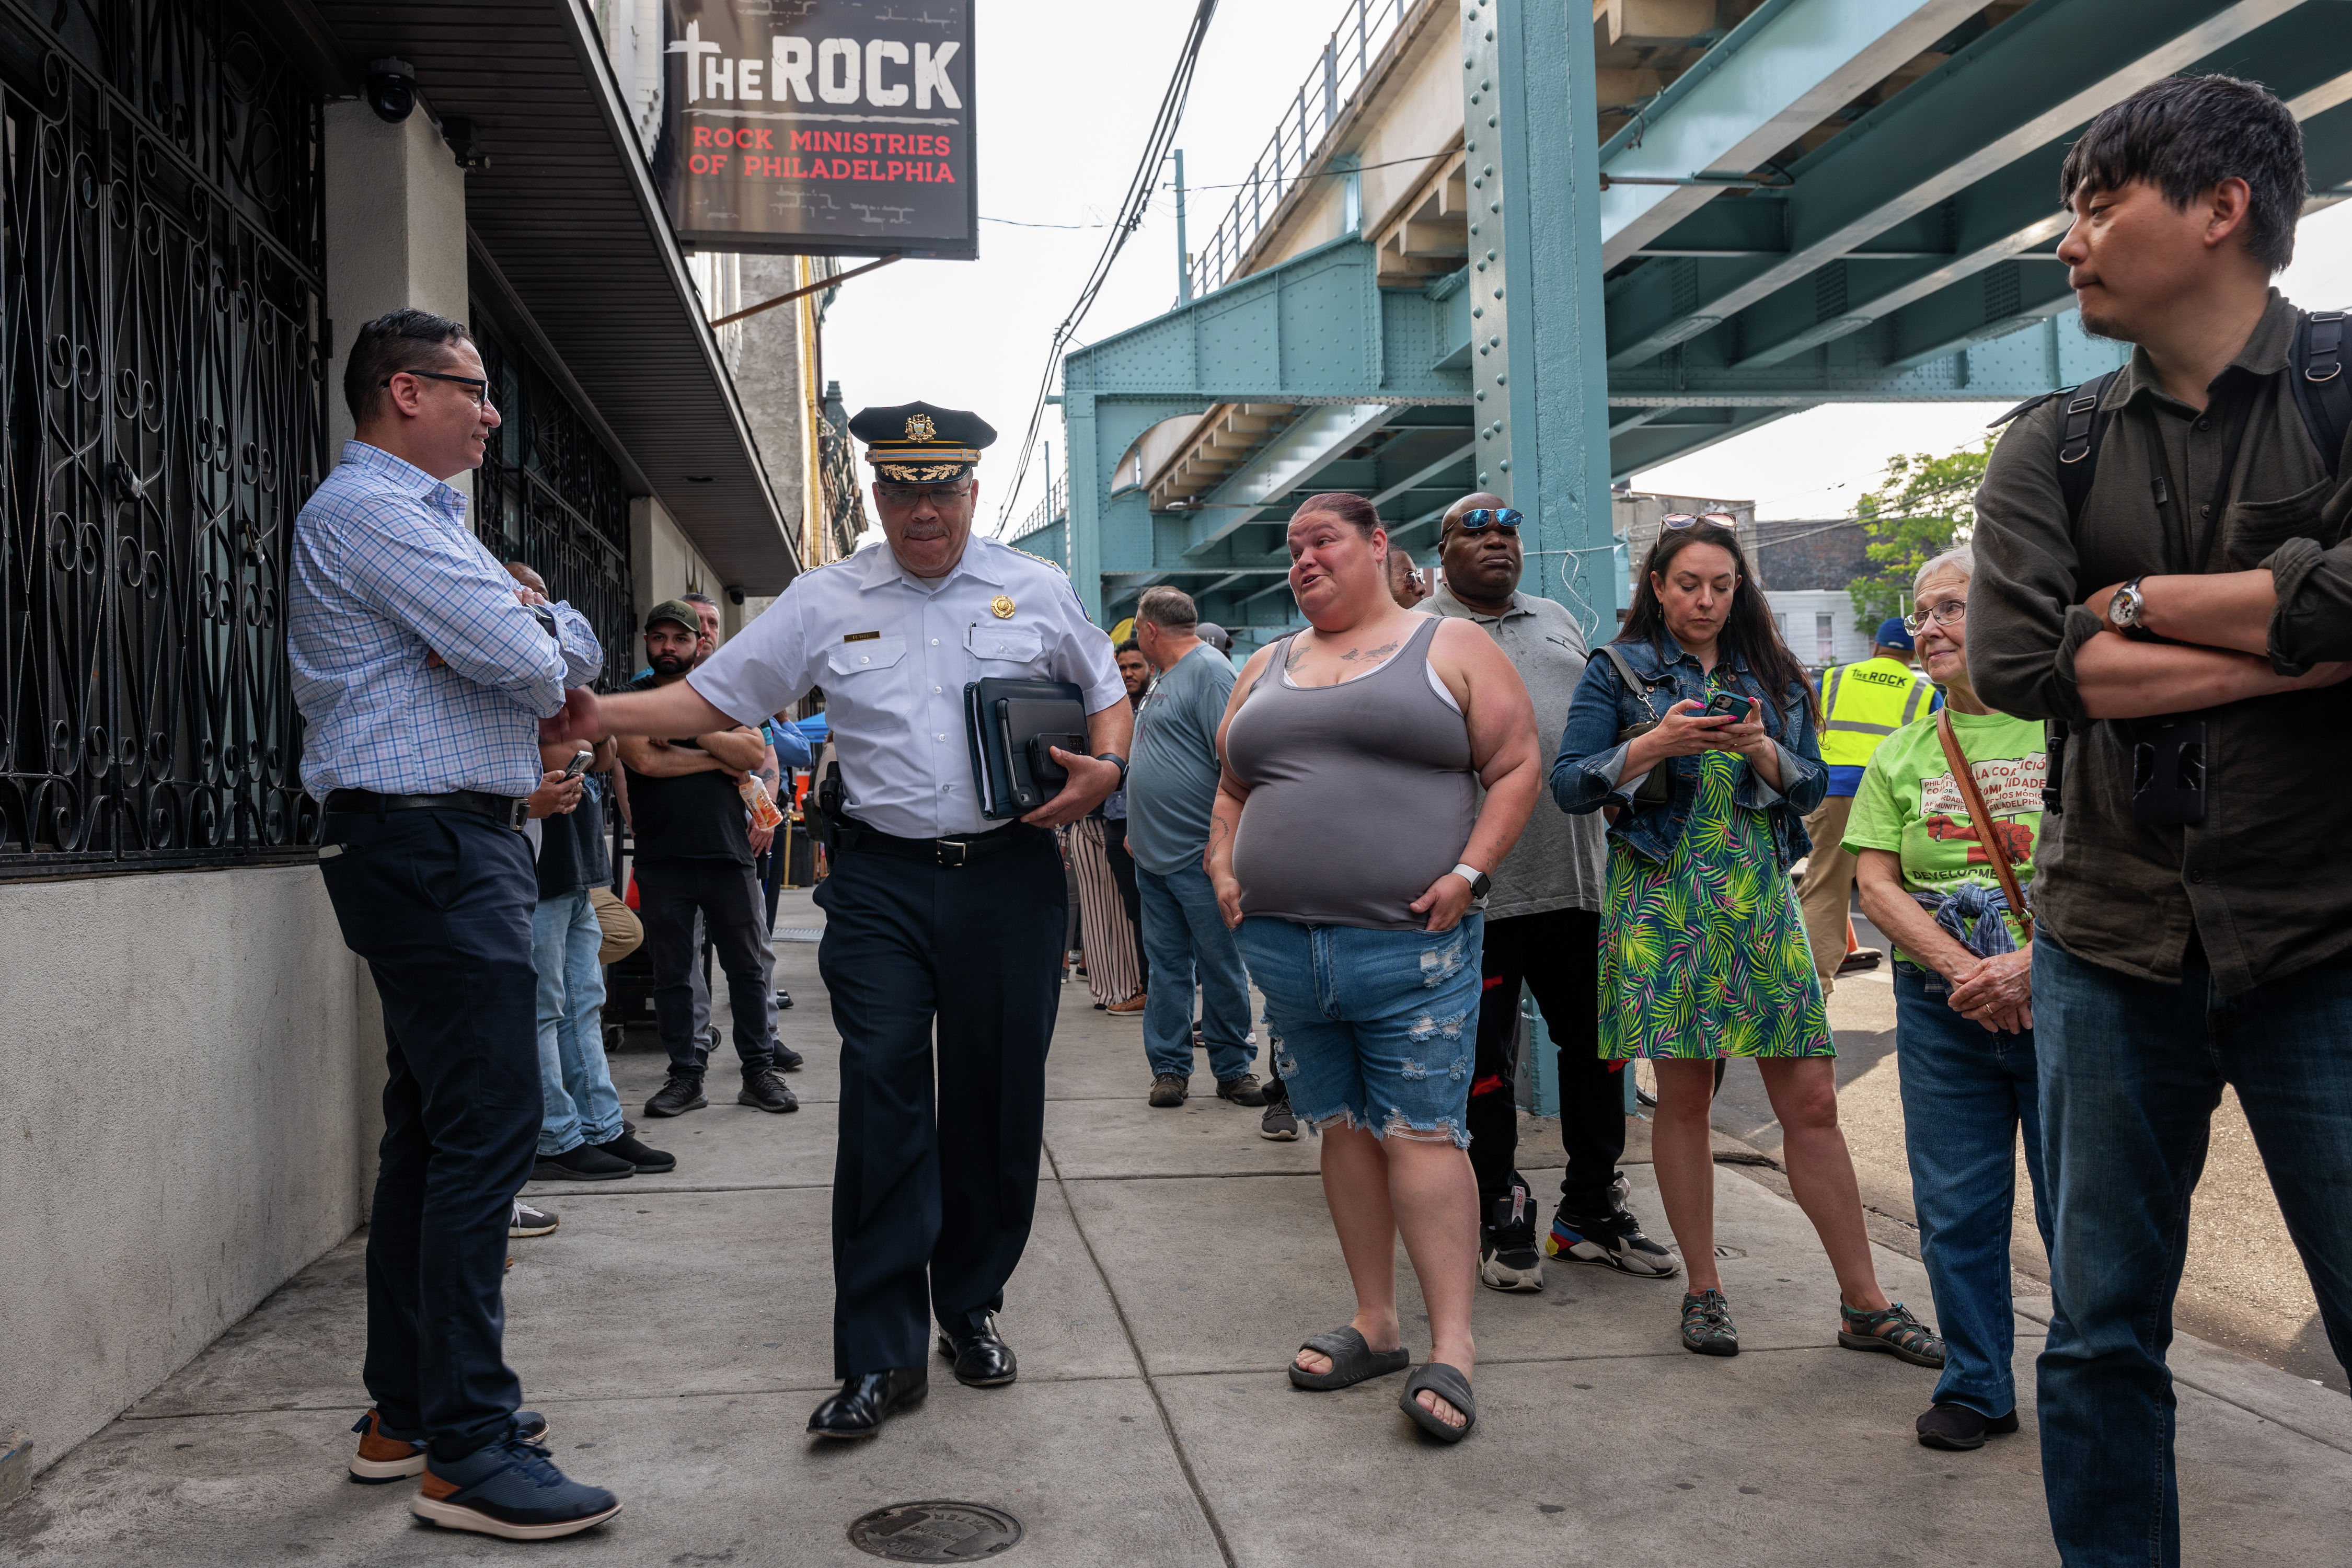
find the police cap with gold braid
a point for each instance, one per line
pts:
(916, 444)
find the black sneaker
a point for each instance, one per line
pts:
(681, 1094)
(651, 1162)
(769, 1092)
(1613, 1240)
(784, 999)
(1959, 1428)
(1242, 1090)
(1508, 1259)
(1279, 1123)
(1707, 1324)
(787, 1058)
(1168, 1092)
(588, 1163)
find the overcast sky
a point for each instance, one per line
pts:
(1064, 93)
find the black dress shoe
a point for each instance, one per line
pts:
(787, 1058)
(868, 1399)
(983, 1359)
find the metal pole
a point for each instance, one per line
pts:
(1184, 257)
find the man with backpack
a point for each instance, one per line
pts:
(2161, 573)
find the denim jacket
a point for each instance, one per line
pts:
(1584, 775)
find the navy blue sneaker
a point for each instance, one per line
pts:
(512, 1489)
(386, 1455)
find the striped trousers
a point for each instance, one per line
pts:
(1114, 971)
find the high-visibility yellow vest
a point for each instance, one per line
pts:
(1861, 704)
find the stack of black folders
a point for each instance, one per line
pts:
(1011, 725)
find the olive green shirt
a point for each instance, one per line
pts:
(2259, 881)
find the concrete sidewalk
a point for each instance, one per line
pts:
(675, 1330)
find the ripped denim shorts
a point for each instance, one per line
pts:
(1375, 1030)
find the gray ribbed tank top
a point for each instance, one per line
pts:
(1361, 794)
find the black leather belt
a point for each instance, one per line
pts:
(504, 810)
(951, 853)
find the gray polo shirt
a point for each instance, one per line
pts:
(1172, 780)
(1559, 862)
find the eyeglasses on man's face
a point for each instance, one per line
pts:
(1950, 612)
(915, 495)
(1692, 520)
(1478, 519)
(477, 390)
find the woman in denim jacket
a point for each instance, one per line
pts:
(1703, 951)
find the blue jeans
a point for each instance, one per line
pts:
(574, 1082)
(1372, 1029)
(1965, 1091)
(2131, 1071)
(1185, 939)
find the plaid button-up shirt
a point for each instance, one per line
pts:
(385, 575)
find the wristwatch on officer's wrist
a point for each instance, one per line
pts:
(2125, 606)
(1479, 881)
(1114, 757)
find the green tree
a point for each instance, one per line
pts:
(1926, 505)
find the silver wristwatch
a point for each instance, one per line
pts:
(2124, 609)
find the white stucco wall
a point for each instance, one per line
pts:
(193, 1063)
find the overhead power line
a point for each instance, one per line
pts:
(1129, 218)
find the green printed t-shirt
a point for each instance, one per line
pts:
(1909, 804)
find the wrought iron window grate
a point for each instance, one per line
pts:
(163, 377)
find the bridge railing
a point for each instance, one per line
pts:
(1353, 48)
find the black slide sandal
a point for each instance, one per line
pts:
(1352, 1361)
(1447, 1384)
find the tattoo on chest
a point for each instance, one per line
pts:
(1295, 657)
(1357, 654)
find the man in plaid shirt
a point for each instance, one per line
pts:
(422, 672)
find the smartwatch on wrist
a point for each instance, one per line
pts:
(1479, 881)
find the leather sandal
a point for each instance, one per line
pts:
(1449, 1384)
(1352, 1361)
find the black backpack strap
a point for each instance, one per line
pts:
(2078, 441)
(2322, 390)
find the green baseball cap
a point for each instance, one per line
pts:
(677, 610)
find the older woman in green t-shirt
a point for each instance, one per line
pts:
(1963, 994)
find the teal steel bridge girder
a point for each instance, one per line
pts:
(1781, 72)
(2014, 92)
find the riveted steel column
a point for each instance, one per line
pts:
(1539, 374)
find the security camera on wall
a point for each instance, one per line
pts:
(391, 89)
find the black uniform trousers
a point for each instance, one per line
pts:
(1557, 954)
(933, 1192)
(439, 904)
(726, 894)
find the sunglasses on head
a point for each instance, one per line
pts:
(1691, 520)
(1478, 519)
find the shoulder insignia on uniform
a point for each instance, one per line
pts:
(1041, 559)
(2034, 401)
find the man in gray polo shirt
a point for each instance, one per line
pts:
(1171, 784)
(1543, 930)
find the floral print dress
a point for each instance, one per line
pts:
(1706, 955)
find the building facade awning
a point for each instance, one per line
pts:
(568, 212)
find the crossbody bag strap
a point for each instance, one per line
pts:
(1988, 831)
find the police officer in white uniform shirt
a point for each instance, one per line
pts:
(935, 916)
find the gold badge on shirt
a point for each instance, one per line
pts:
(1000, 606)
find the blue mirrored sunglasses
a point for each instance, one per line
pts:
(1479, 518)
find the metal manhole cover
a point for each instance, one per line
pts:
(936, 1532)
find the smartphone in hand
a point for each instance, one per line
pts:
(1726, 705)
(578, 764)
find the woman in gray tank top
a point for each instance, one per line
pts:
(1350, 845)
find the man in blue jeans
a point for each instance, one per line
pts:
(1170, 786)
(2150, 573)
